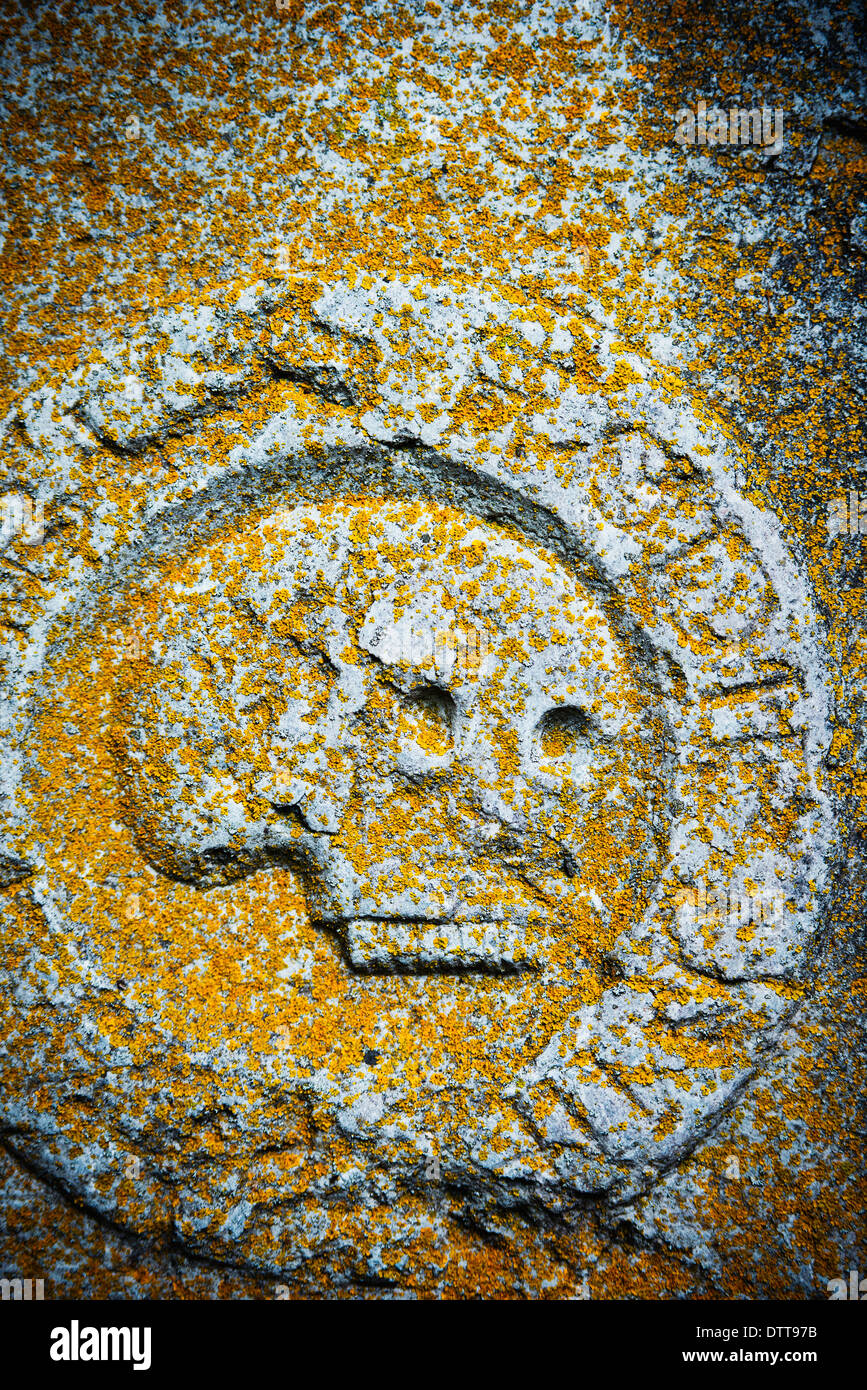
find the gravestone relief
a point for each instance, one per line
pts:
(423, 779)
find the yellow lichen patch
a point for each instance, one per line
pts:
(293, 145)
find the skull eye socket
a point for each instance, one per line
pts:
(427, 719)
(563, 730)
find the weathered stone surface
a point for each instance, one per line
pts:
(418, 835)
(420, 698)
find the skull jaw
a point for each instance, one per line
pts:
(414, 946)
(421, 939)
(448, 918)
(443, 919)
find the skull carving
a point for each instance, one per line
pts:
(424, 715)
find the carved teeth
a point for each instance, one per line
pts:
(416, 947)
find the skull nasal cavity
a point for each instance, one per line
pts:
(427, 718)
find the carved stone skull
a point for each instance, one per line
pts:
(424, 715)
